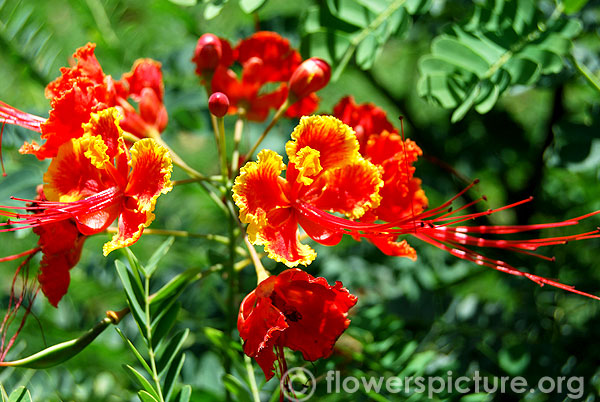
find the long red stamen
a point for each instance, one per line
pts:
(1, 159)
(58, 211)
(11, 115)
(455, 239)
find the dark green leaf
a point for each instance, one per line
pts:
(236, 388)
(146, 397)
(133, 292)
(169, 350)
(135, 352)
(172, 375)
(160, 252)
(140, 380)
(164, 323)
(184, 394)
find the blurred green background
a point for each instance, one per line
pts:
(428, 317)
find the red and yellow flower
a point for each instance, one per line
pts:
(294, 310)
(84, 89)
(326, 173)
(95, 179)
(325, 170)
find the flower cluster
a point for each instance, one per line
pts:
(272, 72)
(93, 178)
(84, 89)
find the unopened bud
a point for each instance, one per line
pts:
(310, 76)
(218, 104)
(208, 53)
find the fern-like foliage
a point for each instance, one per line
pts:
(23, 32)
(505, 43)
(338, 29)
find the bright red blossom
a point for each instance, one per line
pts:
(95, 179)
(273, 206)
(325, 170)
(84, 89)
(266, 58)
(294, 310)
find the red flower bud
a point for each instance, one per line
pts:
(218, 104)
(310, 76)
(208, 53)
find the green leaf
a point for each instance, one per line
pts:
(236, 388)
(170, 350)
(140, 380)
(177, 284)
(184, 394)
(135, 352)
(213, 9)
(185, 3)
(146, 397)
(455, 52)
(504, 43)
(164, 323)
(172, 375)
(367, 52)
(250, 6)
(134, 293)
(160, 252)
(573, 6)
(20, 394)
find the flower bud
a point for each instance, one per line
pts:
(218, 104)
(210, 52)
(310, 76)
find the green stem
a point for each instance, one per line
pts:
(183, 233)
(237, 138)
(251, 378)
(275, 119)
(381, 18)
(222, 148)
(149, 338)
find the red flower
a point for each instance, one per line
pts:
(265, 58)
(381, 144)
(325, 171)
(365, 119)
(94, 180)
(60, 244)
(294, 310)
(326, 174)
(84, 89)
(210, 53)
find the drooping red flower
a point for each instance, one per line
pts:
(268, 62)
(84, 89)
(60, 244)
(273, 206)
(95, 179)
(294, 310)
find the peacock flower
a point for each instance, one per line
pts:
(60, 244)
(294, 310)
(85, 89)
(268, 62)
(318, 182)
(95, 179)
(325, 170)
